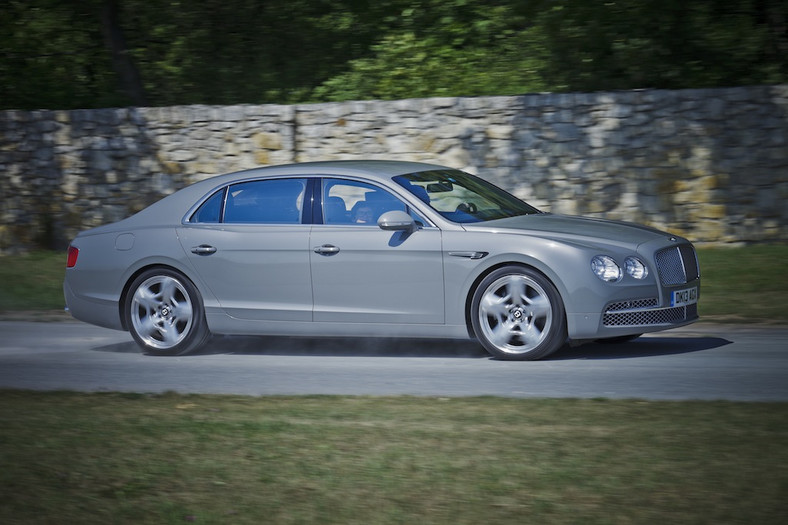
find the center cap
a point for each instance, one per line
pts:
(517, 314)
(165, 311)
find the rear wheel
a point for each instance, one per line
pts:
(518, 314)
(164, 313)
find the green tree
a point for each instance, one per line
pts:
(123, 63)
(665, 43)
(447, 48)
(98, 53)
(52, 56)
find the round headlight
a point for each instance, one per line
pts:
(635, 268)
(606, 268)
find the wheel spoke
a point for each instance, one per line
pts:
(532, 336)
(147, 326)
(182, 311)
(169, 287)
(169, 332)
(501, 334)
(515, 290)
(494, 305)
(146, 298)
(540, 307)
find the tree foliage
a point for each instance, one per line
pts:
(96, 53)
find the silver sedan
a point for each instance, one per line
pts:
(371, 249)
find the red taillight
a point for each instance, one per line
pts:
(73, 253)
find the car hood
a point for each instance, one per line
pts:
(575, 229)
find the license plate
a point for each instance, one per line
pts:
(684, 297)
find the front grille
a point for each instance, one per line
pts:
(635, 304)
(690, 258)
(677, 265)
(651, 317)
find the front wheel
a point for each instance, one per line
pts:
(517, 314)
(164, 313)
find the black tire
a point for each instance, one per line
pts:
(517, 314)
(164, 313)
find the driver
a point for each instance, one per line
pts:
(363, 215)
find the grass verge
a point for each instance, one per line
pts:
(745, 284)
(119, 458)
(32, 281)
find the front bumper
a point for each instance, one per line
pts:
(622, 317)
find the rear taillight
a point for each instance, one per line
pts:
(73, 253)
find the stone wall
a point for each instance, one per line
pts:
(708, 164)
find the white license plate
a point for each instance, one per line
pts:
(684, 297)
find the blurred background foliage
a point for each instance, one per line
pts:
(67, 54)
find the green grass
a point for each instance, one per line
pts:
(744, 284)
(119, 458)
(749, 283)
(32, 281)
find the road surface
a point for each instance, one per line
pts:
(702, 361)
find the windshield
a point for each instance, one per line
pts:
(461, 197)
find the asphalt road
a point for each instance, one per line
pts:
(703, 361)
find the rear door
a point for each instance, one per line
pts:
(255, 258)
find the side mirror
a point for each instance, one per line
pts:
(397, 220)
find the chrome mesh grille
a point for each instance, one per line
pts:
(651, 317)
(671, 271)
(677, 265)
(690, 262)
(634, 304)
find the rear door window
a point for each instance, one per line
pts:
(276, 201)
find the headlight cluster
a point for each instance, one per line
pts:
(635, 268)
(608, 270)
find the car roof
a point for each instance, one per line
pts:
(381, 168)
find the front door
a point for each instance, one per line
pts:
(362, 274)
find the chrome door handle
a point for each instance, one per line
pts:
(327, 249)
(204, 249)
